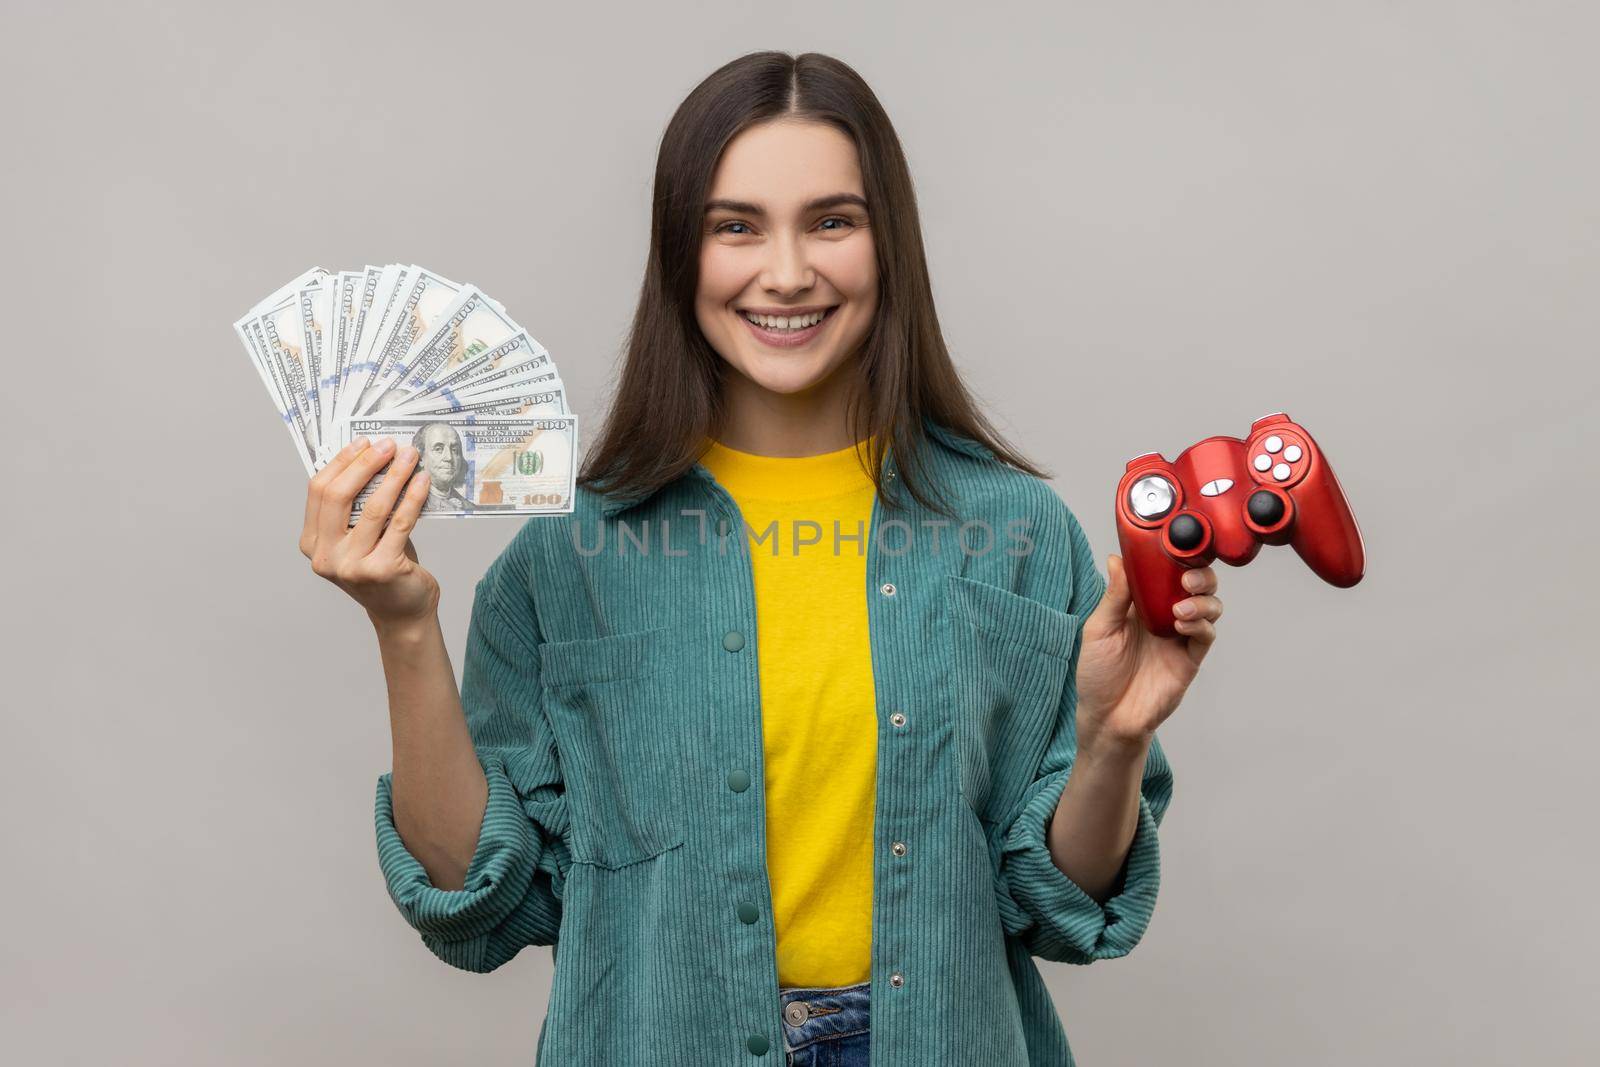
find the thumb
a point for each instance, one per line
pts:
(1113, 605)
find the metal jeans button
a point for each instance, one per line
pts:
(795, 1012)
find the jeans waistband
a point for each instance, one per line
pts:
(811, 1013)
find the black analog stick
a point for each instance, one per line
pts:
(1265, 508)
(1186, 532)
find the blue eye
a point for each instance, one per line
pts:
(726, 227)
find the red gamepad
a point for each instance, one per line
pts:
(1223, 499)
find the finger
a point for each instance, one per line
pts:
(1198, 607)
(1199, 631)
(334, 519)
(314, 489)
(375, 512)
(1200, 580)
(396, 540)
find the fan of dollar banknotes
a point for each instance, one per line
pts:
(401, 352)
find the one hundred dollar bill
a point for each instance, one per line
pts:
(471, 325)
(315, 305)
(363, 324)
(346, 295)
(427, 295)
(284, 344)
(391, 284)
(543, 402)
(481, 464)
(448, 399)
(480, 366)
(288, 398)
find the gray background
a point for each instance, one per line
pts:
(1147, 223)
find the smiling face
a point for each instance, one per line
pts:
(787, 241)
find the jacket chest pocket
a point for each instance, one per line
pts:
(621, 749)
(1010, 657)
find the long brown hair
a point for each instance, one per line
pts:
(669, 397)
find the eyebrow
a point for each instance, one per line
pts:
(744, 207)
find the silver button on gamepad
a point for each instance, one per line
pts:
(1151, 498)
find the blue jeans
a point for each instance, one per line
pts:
(827, 1026)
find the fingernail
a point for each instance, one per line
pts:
(1183, 610)
(407, 454)
(385, 444)
(360, 443)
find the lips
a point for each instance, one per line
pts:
(787, 338)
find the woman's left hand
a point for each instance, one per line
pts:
(1129, 680)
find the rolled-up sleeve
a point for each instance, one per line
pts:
(1051, 914)
(512, 893)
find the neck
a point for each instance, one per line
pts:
(805, 423)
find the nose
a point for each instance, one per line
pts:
(787, 269)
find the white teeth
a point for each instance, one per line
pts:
(778, 322)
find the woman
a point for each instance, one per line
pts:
(867, 830)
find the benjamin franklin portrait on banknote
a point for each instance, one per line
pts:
(449, 487)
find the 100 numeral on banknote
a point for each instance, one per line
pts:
(481, 464)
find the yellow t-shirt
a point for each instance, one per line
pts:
(818, 708)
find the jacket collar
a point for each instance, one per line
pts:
(613, 504)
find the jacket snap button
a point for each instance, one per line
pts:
(887, 589)
(733, 640)
(738, 781)
(747, 912)
(757, 1044)
(897, 979)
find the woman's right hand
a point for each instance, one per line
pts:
(378, 567)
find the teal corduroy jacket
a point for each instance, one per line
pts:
(610, 688)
